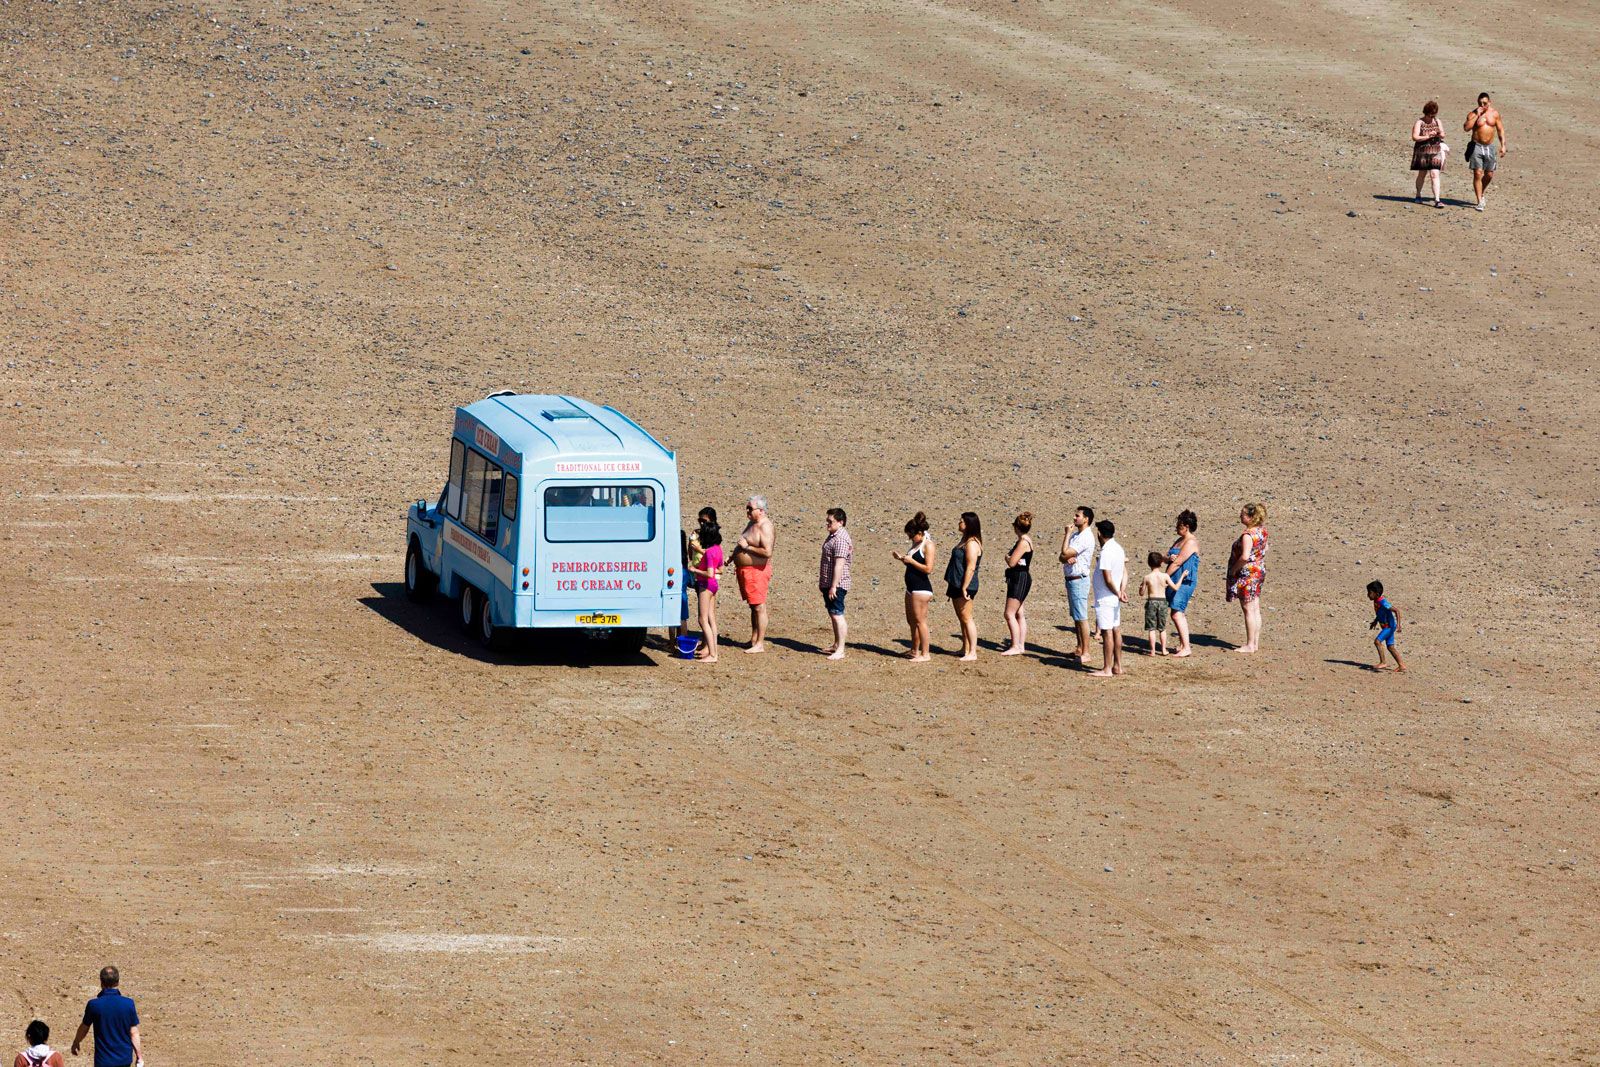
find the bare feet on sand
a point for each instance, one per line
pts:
(837, 653)
(1013, 651)
(1182, 652)
(755, 648)
(970, 657)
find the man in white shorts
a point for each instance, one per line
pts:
(1110, 593)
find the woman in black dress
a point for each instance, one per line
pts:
(1019, 579)
(919, 561)
(961, 580)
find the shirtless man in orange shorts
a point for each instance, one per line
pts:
(752, 564)
(1482, 155)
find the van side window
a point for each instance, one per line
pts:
(599, 513)
(482, 486)
(508, 503)
(452, 495)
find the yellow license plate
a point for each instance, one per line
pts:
(599, 620)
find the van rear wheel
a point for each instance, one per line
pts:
(490, 636)
(467, 603)
(626, 642)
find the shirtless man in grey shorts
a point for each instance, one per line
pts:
(1482, 154)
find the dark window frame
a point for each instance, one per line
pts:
(652, 507)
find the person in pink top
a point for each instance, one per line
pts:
(706, 585)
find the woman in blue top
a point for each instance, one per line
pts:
(1183, 564)
(961, 580)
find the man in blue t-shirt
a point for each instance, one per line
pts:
(115, 1023)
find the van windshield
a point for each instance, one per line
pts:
(599, 513)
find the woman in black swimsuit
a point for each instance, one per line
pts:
(919, 585)
(961, 580)
(1019, 579)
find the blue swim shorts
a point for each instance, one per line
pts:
(1078, 598)
(1386, 635)
(835, 603)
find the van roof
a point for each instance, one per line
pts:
(540, 426)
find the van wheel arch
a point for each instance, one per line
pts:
(419, 581)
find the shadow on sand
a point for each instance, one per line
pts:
(433, 621)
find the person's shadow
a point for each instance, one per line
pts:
(1427, 201)
(1351, 663)
(433, 621)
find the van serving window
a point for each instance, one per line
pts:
(599, 513)
(508, 506)
(481, 490)
(452, 497)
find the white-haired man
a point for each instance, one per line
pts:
(752, 565)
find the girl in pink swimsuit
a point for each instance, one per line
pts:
(706, 585)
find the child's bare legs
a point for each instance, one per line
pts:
(1163, 642)
(708, 626)
(1151, 635)
(1015, 627)
(1399, 664)
(1181, 621)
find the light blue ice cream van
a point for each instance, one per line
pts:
(557, 513)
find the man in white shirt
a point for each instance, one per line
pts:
(1077, 561)
(1110, 593)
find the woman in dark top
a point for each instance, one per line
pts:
(1019, 579)
(961, 580)
(1428, 149)
(919, 585)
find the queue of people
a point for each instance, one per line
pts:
(1094, 569)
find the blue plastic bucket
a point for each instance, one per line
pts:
(686, 646)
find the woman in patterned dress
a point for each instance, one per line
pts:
(1428, 149)
(1247, 570)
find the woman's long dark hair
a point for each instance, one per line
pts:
(969, 519)
(710, 532)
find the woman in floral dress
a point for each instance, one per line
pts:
(1428, 149)
(1247, 570)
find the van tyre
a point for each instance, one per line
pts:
(419, 582)
(626, 642)
(490, 636)
(467, 605)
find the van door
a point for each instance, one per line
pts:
(601, 544)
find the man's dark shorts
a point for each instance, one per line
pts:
(835, 602)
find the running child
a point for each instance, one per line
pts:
(1157, 609)
(1386, 621)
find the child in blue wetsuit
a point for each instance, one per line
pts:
(1386, 621)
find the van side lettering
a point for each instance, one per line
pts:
(620, 466)
(562, 566)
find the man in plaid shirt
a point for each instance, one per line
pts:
(833, 578)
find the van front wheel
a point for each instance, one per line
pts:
(419, 583)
